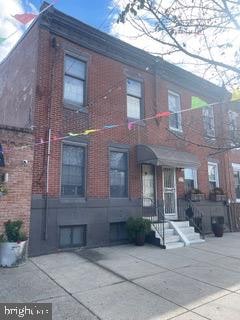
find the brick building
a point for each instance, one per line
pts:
(16, 175)
(85, 187)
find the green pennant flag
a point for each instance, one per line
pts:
(198, 103)
(2, 40)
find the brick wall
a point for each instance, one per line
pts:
(104, 74)
(17, 82)
(17, 203)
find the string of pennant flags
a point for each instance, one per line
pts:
(196, 103)
(24, 19)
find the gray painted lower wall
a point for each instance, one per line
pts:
(207, 209)
(96, 214)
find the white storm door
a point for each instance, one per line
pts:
(169, 193)
(148, 185)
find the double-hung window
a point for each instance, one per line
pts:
(213, 175)
(74, 82)
(233, 132)
(236, 176)
(73, 169)
(208, 121)
(174, 106)
(118, 174)
(190, 179)
(134, 99)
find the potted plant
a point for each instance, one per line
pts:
(3, 189)
(12, 244)
(195, 195)
(217, 194)
(218, 226)
(137, 229)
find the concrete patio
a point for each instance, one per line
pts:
(127, 282)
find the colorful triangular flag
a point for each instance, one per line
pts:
(162, 114)
(130, 125)
(236, 95)
(25, 18)
(72, 134)
(198, 103)
(86, 132)
(110, 126)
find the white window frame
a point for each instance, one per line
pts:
(195, 182)
(179, 128)
(236, 167)
(68, 102)
(205, 113)
(215, 164)
(137, 97)
(232, 115)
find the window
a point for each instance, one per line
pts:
(208, 121)
(236, 176)
(73, 163)
(174, 106)
(190, 179)
(72, 236)
(213, 175)
(134, 99)
(233, 127)
(74, 81)
(118, 232)
(118, 174)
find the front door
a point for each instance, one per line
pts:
(169, 193)
(148, 185)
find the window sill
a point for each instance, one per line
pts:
(176, 130)
(72, 200)
(75, 108)
(139, 122)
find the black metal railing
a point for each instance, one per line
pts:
(195, 217)
(156, 216)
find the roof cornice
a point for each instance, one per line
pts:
(88, 37)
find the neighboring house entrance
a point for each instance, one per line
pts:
(148, 185)
(169, 193)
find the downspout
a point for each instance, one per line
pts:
(47, 185)
(46, 209)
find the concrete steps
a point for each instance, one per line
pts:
(177, 234)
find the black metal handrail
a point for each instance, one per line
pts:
(192, 218)
(158, 219)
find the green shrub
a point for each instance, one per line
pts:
(13, 231)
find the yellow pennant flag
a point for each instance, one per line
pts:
(72, 134)
(86, 132)
(236, 95)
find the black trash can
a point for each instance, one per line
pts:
(217, 225)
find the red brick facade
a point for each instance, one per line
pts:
(106, 101)
(16, 204)
(110, 63)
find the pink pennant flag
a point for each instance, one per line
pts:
(162, 114)
(25, 17)
(130, 125)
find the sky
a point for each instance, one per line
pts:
(98, 13)
(101, 14)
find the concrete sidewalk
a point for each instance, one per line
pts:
(128, 282)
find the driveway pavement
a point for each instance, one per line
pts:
(133, 283)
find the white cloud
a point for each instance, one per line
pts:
(10, 26)
(195, 43)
